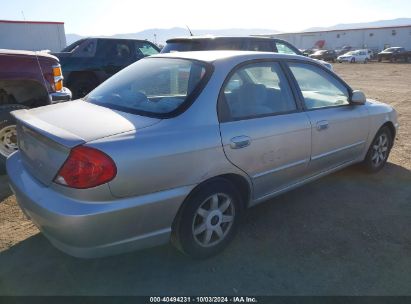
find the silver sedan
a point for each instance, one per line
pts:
(177, 146)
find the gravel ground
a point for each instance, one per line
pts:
(346, 234)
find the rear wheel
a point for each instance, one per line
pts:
(379, 150)
(8, 134)
(208, 219)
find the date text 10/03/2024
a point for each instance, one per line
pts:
(237, 299)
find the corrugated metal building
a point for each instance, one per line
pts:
(373, 38)
(32, 35)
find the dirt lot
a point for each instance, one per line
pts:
(346, 234)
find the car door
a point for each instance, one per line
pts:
(339, 129)
(263, 131)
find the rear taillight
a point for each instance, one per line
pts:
(86, 167)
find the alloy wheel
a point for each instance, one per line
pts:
(380, 150)
(213, 220)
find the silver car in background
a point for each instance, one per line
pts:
(177, 146)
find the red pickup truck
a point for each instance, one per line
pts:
(27, 80)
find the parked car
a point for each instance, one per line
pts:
(27, 80)
(248, 43)
(354, 56)
(345, 49)
(308, 52)
(88, 62)
(326, 55)
(177, 146)
(394, 54)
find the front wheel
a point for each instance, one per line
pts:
(379, 151)
(353, 60)
(208, 219)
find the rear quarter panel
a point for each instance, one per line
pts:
(165, 156)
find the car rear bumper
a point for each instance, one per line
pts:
(94, 229)
(63, 95)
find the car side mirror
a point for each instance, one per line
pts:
(358, 98)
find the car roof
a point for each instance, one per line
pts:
(210, 37)
(212, 56)
(115, 38)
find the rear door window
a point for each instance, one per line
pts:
(260, 45)
(119, 50)
(254, 90)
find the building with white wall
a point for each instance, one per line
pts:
(373, 38)
(32, 35)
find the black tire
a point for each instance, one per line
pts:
(6, 121)
(183, 235)
(352, 60)
(366, 61)
(81, 85)
(369, 163)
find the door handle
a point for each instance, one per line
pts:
(239, 142)
(322, 125)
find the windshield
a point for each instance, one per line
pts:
(350, 53)
(72, 46)
(152, 87)
(319, 52)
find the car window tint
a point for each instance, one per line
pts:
(256, 90)
(86, 49)
(260, 45)
(284, 49)
(114, 49)
(145, 49)
(224, 44)
(318, 87)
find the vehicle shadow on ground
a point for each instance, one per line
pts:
(5, 190)
(345, 234)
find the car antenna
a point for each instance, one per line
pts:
(191, 34)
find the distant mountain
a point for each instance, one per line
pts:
(344, 26)
(70, 38)
(164, 34)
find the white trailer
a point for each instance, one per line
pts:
(32, 35)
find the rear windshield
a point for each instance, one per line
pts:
(184, 46)
(155, 87)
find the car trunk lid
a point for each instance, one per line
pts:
(47, 134)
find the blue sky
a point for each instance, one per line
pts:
(108, 17)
